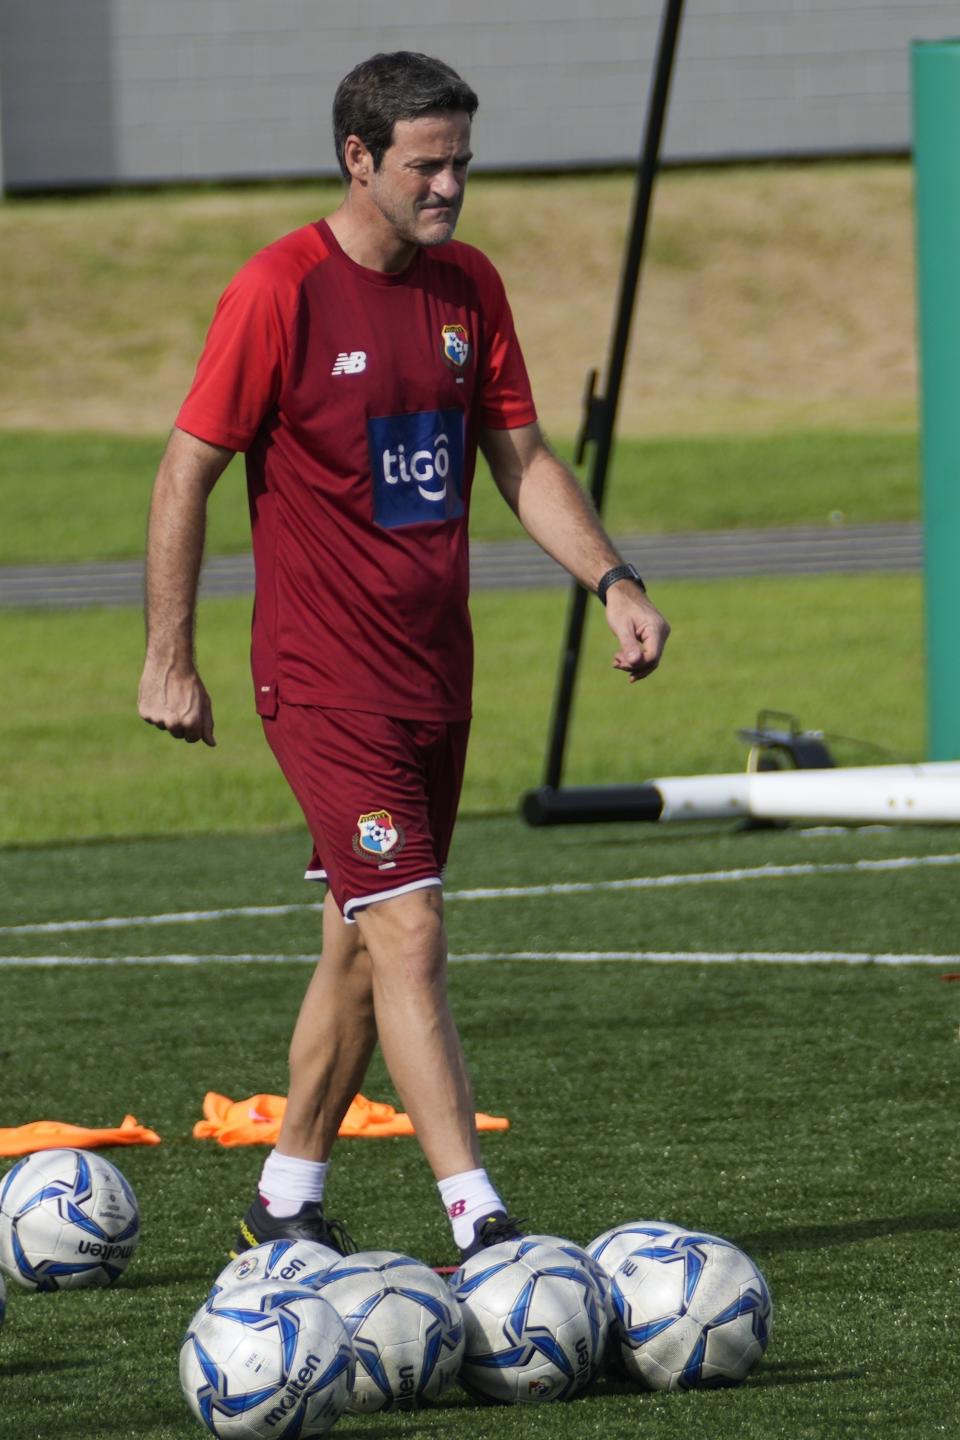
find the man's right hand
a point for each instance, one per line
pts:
(172, 695)
(176, 701)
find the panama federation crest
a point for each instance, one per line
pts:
(456, 345)
(376, 836)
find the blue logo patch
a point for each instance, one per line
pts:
(417, 465)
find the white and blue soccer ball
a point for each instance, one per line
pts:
(68, 1218)
(692, 1312)
(266, 1360)
(616, 1243)
(535, 1323)
(294, 1262)
(582, 1257)
(406, 1328)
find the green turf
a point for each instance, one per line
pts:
(843, 653)
(198, 873)
(805, 1112)
(76, 497)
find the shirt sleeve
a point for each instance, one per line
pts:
(506, 399)
(240, 371)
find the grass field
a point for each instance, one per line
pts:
(842, 652)
(654, 487)
(804, 1111)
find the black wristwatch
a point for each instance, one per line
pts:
(619, 572)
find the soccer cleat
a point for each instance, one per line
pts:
(490, 1231)
(258, 1227)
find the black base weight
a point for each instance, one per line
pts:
(591, 804)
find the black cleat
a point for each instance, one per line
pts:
(258, 1227)
(490, 1231)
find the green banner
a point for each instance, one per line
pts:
(936, 116)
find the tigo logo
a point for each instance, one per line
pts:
(350, 362)
(417, 464)
(427, 469)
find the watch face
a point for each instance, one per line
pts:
(619, 572)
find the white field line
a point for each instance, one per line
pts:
(717, 957)
(49, 960)
(510, 892)
(579, 957)
(177, 917)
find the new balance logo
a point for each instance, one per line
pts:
(350, 362)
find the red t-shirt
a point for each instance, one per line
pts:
(358, 397)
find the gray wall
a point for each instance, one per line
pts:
(112, 91)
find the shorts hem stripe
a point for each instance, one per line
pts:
(363, 900)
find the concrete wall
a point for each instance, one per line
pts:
(112, 91)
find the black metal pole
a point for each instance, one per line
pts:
(600, 418)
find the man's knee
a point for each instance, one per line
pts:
(405, 936)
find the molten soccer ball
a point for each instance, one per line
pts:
(406, 1328)
(583, 1258)
(266, 1359)
(294, 1262)
(67, 1219)
(616, 1244)
(692, 1312)
(535, 1323)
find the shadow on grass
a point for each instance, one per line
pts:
(198, 1279)
(773, 1374)
(360, 1426)
(43, 1367)
(770, 1375)
(172, 1414)
(176, 1420)
(848, 1232)
(683, 835)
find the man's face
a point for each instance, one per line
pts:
(419, 186)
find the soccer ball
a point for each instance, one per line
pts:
(67, 1219)
(266, 1359)
(406, 1328)
(692, 1313)
(535, 1323)
(616, 1244)
(295, 1262)
(582, 1257)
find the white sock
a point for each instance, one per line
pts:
(287, 1182)
(468, 1198)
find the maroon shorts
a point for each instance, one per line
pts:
(380, 796)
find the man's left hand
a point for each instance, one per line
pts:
(639, 627)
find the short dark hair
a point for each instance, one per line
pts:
(386, 88)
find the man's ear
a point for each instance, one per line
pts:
(357, 158)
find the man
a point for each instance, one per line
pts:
(359, 363)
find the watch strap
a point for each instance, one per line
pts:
(619, 572)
